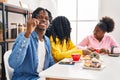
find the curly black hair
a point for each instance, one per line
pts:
(36, 13)
(59, 28)
(106, 24)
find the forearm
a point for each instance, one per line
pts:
(18, 51)
(59, 55)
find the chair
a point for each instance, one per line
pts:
(8, 69)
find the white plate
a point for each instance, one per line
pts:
(102, 66)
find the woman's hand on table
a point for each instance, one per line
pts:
(103, 50)
(86, 52)
(91, 49)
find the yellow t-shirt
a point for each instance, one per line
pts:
(60, 52)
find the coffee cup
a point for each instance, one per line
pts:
(76, 57)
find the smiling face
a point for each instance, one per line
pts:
(98, 33)
(43, 21)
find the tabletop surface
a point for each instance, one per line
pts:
(111, 70)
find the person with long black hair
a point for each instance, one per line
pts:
(60, 40)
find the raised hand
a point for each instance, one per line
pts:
(31, 25)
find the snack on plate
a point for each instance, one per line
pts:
(94, 63)
(95, 55)
(92, 55)
(87, 63)
(87, 57)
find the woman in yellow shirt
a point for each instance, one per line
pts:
(61, 44)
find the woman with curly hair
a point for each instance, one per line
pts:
(100, 40)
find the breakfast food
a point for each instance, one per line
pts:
(87, 63)
(87, 57)
(92, 55)
(94, 63)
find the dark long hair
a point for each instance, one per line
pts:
(60, 28)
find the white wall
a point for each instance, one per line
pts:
(111, 8)
(51, 5)
(32, 4)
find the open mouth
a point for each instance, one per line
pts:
(43, 25)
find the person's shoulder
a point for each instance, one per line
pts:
(20, 35)
(108, 36)
(89, 36)
(57, 39)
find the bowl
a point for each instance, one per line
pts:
(76, 57)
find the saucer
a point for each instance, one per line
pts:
(71, 60)
(80, 60)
